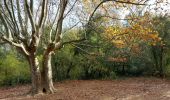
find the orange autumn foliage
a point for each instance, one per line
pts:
(137, 32)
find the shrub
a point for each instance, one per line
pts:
(13, 70)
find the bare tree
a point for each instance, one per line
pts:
(23, 28)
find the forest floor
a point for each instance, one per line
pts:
(122, 89)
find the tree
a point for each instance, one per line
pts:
(161, 24)
(23, 28)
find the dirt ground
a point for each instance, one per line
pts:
(127, 89)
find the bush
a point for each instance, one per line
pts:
(13, 70)
(76, 72)
(112, 75)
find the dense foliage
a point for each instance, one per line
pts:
(13, 68)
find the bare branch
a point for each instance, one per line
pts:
(15, 44)
(71, 27)
(52, 26)
(30, 15)
(43, 13)
(10, 14)
(26, 16)
(7, 20)
(13, 14)
(19, 16)
(114, 18)
(73, 41)
(60, 20)
(36, 13)
(71, 8)
(104, 1)
(81, 49)
(126, 2)
(31, 6)
(4, 23)
(87, 45)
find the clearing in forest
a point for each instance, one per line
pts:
(122, 89)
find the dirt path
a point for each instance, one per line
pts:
(128, 89)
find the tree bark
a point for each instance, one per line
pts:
(35, 75)
(47, 81)
(161, 62)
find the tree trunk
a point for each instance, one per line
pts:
(161, 62)
(35, 75)
(47, 81)
(123, 69)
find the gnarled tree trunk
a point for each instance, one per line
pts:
(47, 81)
(35, 75)
(41, 81)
